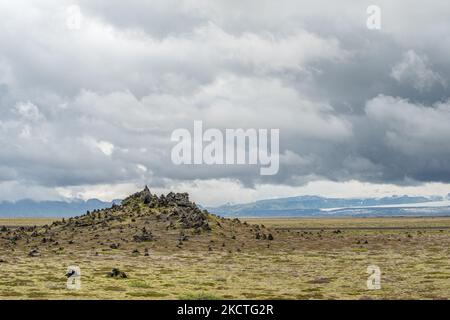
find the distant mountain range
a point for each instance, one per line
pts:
(301, 206)
(31, 208)
(320, 206)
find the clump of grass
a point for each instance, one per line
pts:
(199, 296)
(139, 284)
(10, 294)
(148, 294)
(112, 288)
(37, 294)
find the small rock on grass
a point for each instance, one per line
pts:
(116, 273)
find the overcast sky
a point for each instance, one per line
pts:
(87, 110)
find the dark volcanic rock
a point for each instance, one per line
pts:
(116, 273)
(34, 253)
(143, 236)
(178, 199)
(173, 207)
(146, 195)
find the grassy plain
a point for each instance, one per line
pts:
(308, 259)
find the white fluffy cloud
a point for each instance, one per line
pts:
(416, 71)
(414, 129)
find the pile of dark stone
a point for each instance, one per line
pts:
(116, 273)
(170, 200)
(178, 208)
(263, 236)
(144, 236)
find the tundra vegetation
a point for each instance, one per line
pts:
(166, 247)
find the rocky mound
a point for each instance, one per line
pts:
(174, 205)
(143, 221)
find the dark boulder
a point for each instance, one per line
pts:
(34, 253)
(144, 236)
(116, 273)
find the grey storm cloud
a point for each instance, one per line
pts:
(97, 105)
